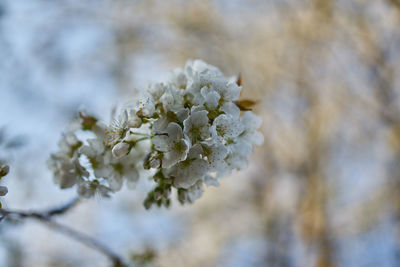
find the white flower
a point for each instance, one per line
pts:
(231, 109)
(250, 136)
(207, 97)
(178, 79)
(119, 169)
(156, 90)
(133, 121)
(192, 193)
(196, 125)
(200, 67)
(182, 114)
(146, 106)
(95, 151)
(195, 191)
(116, 165)
(88, 189)
(188, 172)
(197, 135)
(117, 129)
(65, 164)
(227, 127)
(175, 146)
(234, 161)
(69, 143)
(200, 74)
(215, 155)
(124, 168)
(229, 91)
(161, 124)
(67, 171)
(172, 99)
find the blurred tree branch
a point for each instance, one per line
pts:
(46, 217)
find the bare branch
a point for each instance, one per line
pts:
(64, 208)
(46, 217)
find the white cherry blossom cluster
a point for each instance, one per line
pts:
(97, 166)
(187, 132)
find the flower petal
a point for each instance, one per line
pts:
(161, 143)
(174, 131)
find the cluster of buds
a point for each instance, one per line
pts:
(186, 132)
(4, 169)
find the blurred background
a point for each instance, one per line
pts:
(323, 190)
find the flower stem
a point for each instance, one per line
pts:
(142, 139)
(141, 134)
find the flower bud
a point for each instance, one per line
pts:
(155, 163)
(166, 193)
(3, 191)
(146, 162)
(120, 150)
(157, 195)
(133, 120)
(4, 169)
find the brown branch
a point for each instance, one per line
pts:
(44, 213)
(46, 217)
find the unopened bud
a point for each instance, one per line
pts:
(157, 195)
(166, 192)
(3, 191)
(133, 120)
(120, 150)
(146, 162)
(155, 163)
(4, 169)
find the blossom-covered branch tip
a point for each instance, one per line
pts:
(183, 133)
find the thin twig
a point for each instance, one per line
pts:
(64, 208)
(85, 239)
(46, 217)
(45, 213)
